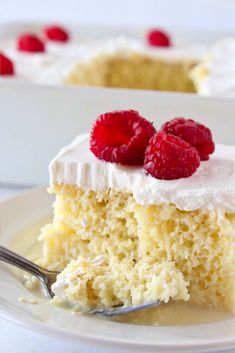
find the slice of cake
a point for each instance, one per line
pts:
(142, 215)
(215, 73)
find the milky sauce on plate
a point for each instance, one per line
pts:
(172, 313)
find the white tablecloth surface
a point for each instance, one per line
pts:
(15, 339)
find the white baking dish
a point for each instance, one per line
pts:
(35, 121)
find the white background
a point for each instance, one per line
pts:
(210, 14)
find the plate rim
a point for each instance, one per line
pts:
(59, 333)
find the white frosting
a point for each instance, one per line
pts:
(211, 187)
(49, 67)
(215, 75)
(52, 66)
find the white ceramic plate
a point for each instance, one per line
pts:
(28, 209)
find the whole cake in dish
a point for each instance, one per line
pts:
(143, 215)
(53, 56)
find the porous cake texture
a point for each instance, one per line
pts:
(122, 252)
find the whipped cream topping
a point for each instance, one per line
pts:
(49, 67)
(212, 187)
(215, 75)
(53, 66)
(123, 46)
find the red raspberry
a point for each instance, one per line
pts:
(6, 65)
(158, 38)
(121, 137)
(169, 157)
(197, 135)
(56, 33)
(30, 43)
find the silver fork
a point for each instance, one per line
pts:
(49, 277)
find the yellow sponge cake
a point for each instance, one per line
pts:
(123, 237)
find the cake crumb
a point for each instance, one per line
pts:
(28, 300)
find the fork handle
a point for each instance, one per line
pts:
(14, 259)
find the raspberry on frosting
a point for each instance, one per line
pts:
(6, 66)
(158, 38)
(121, 137)
(29, 42)
(56, 33)
(169, 157)
(196, 134)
